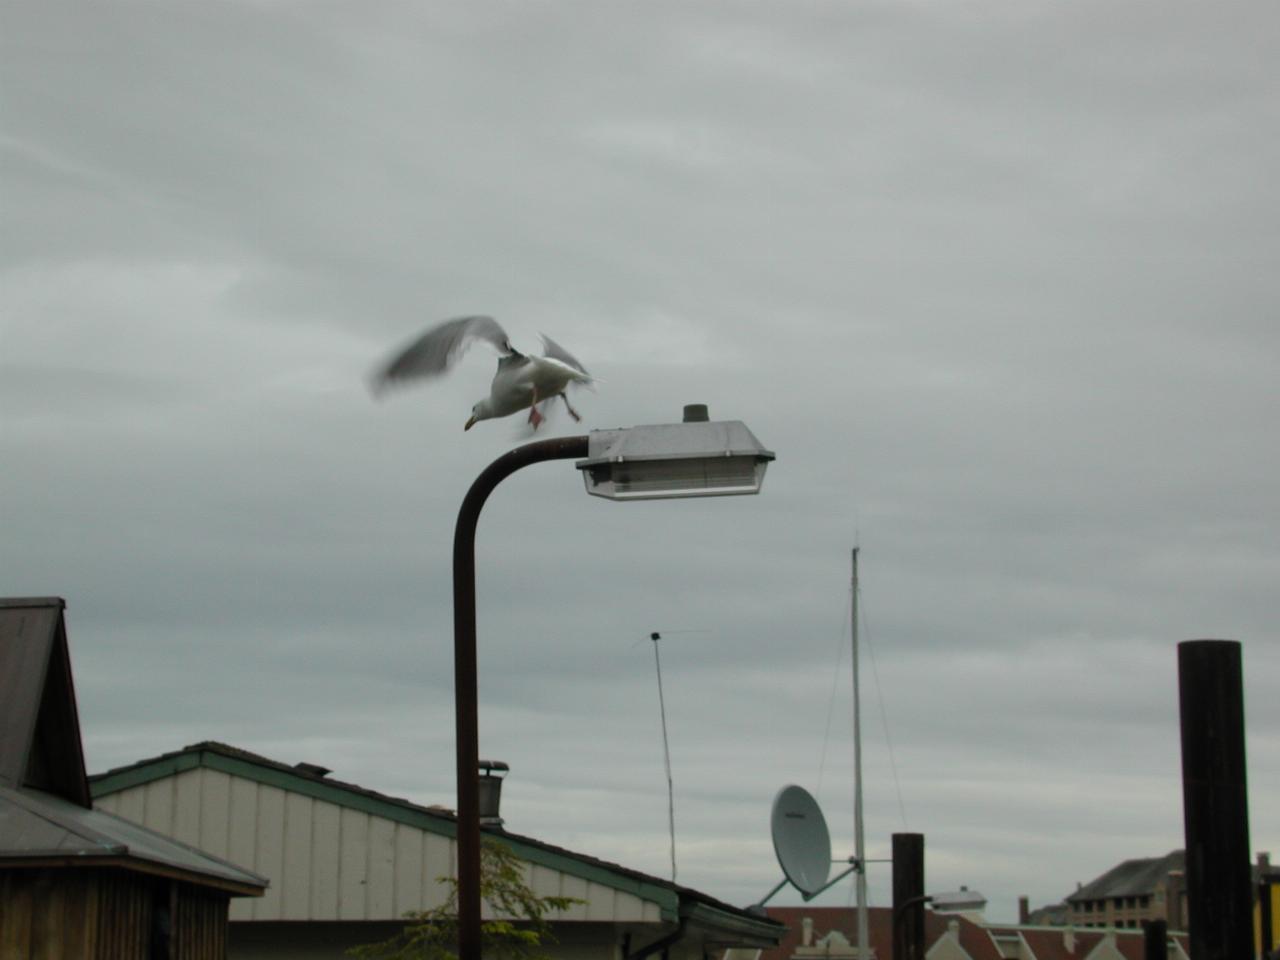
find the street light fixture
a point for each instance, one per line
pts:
(695, 458)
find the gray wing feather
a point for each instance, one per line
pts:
(556, 352)
(435, 351)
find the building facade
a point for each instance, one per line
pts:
(78, 883)
(828, 933)
(347, 863)
(1152, 888)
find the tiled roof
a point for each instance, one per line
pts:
(978, 940)
(1052, 943)
(1131, 878)
(973, 938)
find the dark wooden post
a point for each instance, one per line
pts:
(908, 896)
(1266, 922)
(1155, 940)
(1215, 804)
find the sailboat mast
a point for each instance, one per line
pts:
(859, 843)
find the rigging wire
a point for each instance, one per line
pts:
(835, 682)
(884, 714)
(836, 675)
(666, 753)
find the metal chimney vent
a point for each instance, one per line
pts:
(491, 774)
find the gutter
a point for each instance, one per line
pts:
(660, 944)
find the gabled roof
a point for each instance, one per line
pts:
(1131, 878)
(46, 815)
(41, 829)
(973, 938)
(39, 728)
(1053, 944)
(1076, 943)
(677, 902)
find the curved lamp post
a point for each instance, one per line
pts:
(696, 458)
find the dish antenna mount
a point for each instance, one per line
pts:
(802, 844)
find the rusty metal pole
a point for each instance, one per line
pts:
(1215, 802)
(466, 699)
(908, 896)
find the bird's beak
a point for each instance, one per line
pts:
(471, 422)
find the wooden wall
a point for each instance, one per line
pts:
(47, 915)
(106, 914)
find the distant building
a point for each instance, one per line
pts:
(1266, 908)
(1153, 888)
(964, 902)
(347, 863)
(1051, 915)
(829, 933)
(78, 883)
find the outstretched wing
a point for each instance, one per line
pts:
(439, 348)
(556, 352)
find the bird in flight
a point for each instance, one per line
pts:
(521, 382)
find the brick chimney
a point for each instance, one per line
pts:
(1024, 911)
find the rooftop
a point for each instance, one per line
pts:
(311, 779)
(46, 814)
(1131, 878)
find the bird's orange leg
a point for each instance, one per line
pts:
(535, 417)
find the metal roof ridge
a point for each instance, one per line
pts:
(20, 602)
(42, 804)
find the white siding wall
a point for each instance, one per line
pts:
(327, 862)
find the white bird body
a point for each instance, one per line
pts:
(521, 382)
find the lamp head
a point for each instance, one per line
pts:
(697, 458)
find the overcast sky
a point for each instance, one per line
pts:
(997, 281)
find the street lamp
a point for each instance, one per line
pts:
(695, 458)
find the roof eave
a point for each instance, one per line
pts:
(732, 929)
(117, 857)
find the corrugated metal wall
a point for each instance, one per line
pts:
(328, 862)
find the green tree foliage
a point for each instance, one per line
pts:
(518, 931)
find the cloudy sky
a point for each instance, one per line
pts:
(996, 281)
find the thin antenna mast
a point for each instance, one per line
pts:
(859, 851)
(666, 753)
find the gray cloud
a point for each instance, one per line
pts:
(996, 283)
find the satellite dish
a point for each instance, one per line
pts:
(801, 840)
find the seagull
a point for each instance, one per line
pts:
(522, 381)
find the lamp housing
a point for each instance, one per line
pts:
(696, 458)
